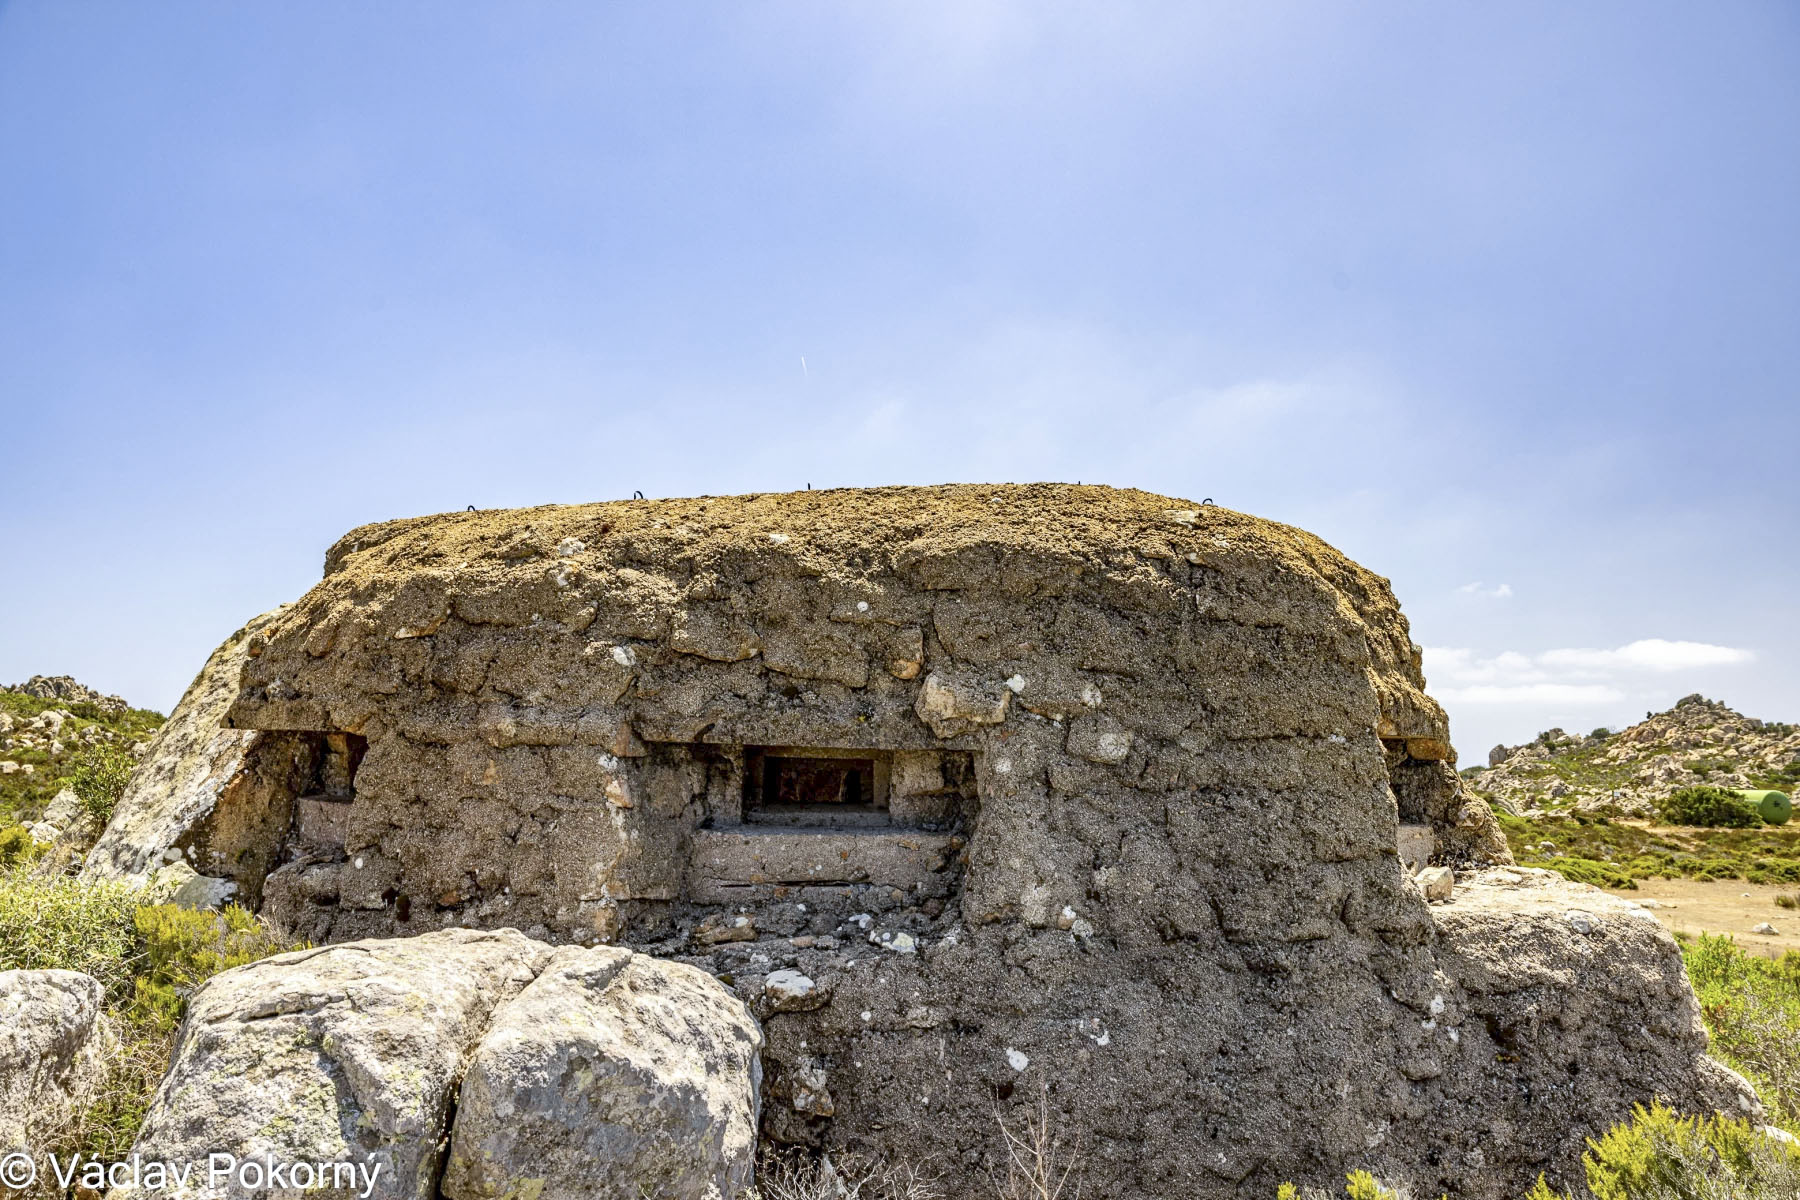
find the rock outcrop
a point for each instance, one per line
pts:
(53, 1045)
(221, 798)
(1628, 773)
(69, 691)
(338, 1054)
(589, 1072)
(1572, 992)
(1059, 794)
(612, 1076)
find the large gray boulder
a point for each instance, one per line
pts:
(613, 1075)
(1568, 991)
(202, 787)
(53, 1044)
(348, 1053)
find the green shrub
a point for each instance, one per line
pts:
(1588, 870)
(18, 847)
(1709, 806)
(65, 923)
(149, 959)
(1709, 764)
(184, 948)
(1752, 1009)
(99, 778)
(1780, 779)
(1662, 1155)
(1358, 1185)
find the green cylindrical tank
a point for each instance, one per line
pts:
(1774, 807)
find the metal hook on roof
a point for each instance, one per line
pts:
(1208, 500)
(471, 508)
(637, 495)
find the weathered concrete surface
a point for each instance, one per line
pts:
(1176, 743)
(1571, 993)
(344, 1053)
(751, 863)
(613, 1076)
(53, 1045)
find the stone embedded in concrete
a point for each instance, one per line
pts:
(1437, 883)
(958, 704)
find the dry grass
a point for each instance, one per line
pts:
(798, 1176)
(1039, 1166)
(105, 1122)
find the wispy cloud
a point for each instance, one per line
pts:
(1650, 654)
(1565, 676)
(1532, 693)
(1501, 591)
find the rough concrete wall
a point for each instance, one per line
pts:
(1173, 905)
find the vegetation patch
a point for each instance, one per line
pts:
(1616, 853)
(63, 923)
(99, 776)
(148, 957)
(1751, 1005)
(1779, 779)
(1711, 807)
(23, 797)
(1584, 768)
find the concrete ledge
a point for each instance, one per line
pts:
(744, 862)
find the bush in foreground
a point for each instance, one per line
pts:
(64, 923)
(184, 948)
(1751, 1006)
(18, 847)
(148, 957)
(1658, 1155)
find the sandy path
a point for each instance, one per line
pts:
(1722, 906)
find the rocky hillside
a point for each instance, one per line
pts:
(46, 725)
(1627, 773)
(65, 689)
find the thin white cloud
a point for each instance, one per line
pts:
(1565, 676)
(1464, 667)
(1501, 591)
(1531, 693)
(1460, 667)
(1649, 654)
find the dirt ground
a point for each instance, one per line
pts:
(1721, 906)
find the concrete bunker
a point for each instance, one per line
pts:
(1060, 793)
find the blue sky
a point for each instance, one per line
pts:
(1501, 300)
